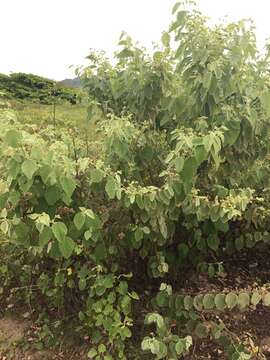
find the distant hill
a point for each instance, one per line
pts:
(36, 88)
(75, 83)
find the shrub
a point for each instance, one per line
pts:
(178, 175)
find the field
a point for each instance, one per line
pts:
(134, 224)
(34, 113)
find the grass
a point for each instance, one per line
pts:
(67, 116)
(44, 114)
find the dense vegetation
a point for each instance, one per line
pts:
(177, 176)
(35, 88)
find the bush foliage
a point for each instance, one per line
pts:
(178, 175)
(35, 88)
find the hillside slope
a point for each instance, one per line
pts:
(35, 88)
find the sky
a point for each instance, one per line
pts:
(45, 37)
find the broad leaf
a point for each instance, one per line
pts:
(79, 220)
(52, 195)
(68, 185)
(266, 299)
(220, 301)
(209, 301)
(243, 300)
(29, 167)
(231, 300)
(189, 169)
(45, 236)
(13, 138)
(111, 188)
(256, 298)
(66, 246)
(59, 230)
(166, 39)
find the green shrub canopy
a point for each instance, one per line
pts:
(178, 174)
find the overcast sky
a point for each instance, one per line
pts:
(45, 37)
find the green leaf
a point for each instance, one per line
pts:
(266, 299)
(88, 212)
(207, 77)
(68, 185)
(209, 301)
(176, 7)
(180, 347)
(79, 220)
(22, 233)
(45, 173)
(258, 236)
(29, 167)
(66, 246)
(243, 300)
(96, 176)
(101, 348)
(189, 170)
(14, 168)
(183, 251)
(138, 235)
(201, 331)
(59, 230)
(146, 230)
(213, 242)
(155, 318)
(25, 183)
(87, 234)
(159, 348)
(255, 298)
(188, 302)
(250, 243)
(126, 332)
(100, 252)
(179, 22)
(125, 53)
(207, 142)
(111, 188)
(13, 138)
(162, 299)
(198, 302)
(233, 132)
(166, 39)
(134, 295)
(139, 201)
(188, 342)
(44, 219)
(265, 99)
(92, 353)
(108, 357)
(231, 300)
(179, 302)
(155, 347)
(220, 301)
(163, 227)
(239, 243)
(216, 331)
(146, 343)
(52, 195)
(211, 270)
(179, 163)
(4, 226)
(200, 154)
(45, 236)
